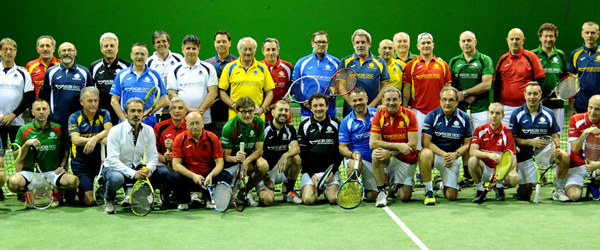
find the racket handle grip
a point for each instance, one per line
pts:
(536, 198)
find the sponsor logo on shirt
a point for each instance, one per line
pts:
(77, 76)
(543, 121)
(284, 137)
(52, 135)
(188, 146)
(371, 66)
(69, 87)
(251, 134)
(500, 142)
(401, 124)
(329, 130)
(456, 124)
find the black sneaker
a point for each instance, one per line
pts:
(392, 190)
(2, 196)
(500, 196)
(480, 196)
(465, 182)
(21, 197)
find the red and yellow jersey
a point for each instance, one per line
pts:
(37, 70)
(495, 142)
(396, 128)
(427, 80)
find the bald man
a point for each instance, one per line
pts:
(395, 66)
(402, 46)
(515, 68)
(584, 63)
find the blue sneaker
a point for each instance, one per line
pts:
(594, 190)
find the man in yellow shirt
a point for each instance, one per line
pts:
(395, 66)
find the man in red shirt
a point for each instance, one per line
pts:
(37, 68)
(488, 143)
(424, 77)
(281, 71)
(167, 130)
(197, 159)
(515, 69)
(580, 126)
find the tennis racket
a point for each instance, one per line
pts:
(150, 100)
(302, 89)
(565, 89)
(40, 189)
(240, 191)
(543, 159)
(342, 82)
(99, 182)
(591, 152)
(326, 174)
(501, 170)
(142, 193)
(9, 157)
(220, 195)
(352, 192)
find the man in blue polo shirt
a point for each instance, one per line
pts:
(136, 81)
(372, 72)
(320, 65)
(219, 111)
(88, 128)
(446, 137)
(585, 62)
(527, 124)
(355, 131)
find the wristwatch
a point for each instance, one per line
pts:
(465, 93)
(457, 154)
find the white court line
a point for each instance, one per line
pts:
(410, 234)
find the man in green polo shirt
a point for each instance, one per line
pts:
(45, 136)
(472, 74)
(555, 66)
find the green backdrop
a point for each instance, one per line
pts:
(292, 22)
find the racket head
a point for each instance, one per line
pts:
(151, 98)
(342, 82)
(301, 89)
(323, 180)
(567, 87)
(99, 189)
(221, 196)
(504, 166)
(239, 194)
(543, 155)
(142, 198)
(591, 148)
(350, 195)
(40, 190)
(9, 158)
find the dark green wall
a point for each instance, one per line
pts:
(292, 22)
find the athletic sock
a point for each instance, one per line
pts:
(559, 184)
(428, 186)
(479, 186)
(289, 185)
(499, 185)
(381, 188)
(466, 173)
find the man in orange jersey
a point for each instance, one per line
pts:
(45, 46)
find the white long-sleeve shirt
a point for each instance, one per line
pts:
(123, 155)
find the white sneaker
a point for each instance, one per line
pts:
(293, 197)
(195, 198)
(126, 202)
(109, 208)
(559, 195)
(183, 207)
(381, 200)
(209, 205)
(251, 201)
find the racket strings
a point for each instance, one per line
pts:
(567, 88)
(350, 194)
(503, 167)
(591, 148)
(345, 81)
(142, 198)
(297, 92)
(222, 196)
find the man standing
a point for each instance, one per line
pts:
(194, 80)
(372, 73)
(281, 72)
(246, 77)
(515, 69)
(584, 62)
(319, 148)
(402, 46)
(395, 66)
(219, 111)
(104, 71)
(37, 68)
(424, 77)
(319, 64)
(88, 129)
(136, 81)
(447, 136)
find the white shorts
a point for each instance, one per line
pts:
(368, 179)
(527, 172)
(479, 119)
(306, 180)
(576, 176)
(420, 121)
(487, 172)
(400, 172)
(232, 170)
(560, 118)
(507, 112)
(449, 175)
(53, 177)
(276, 178)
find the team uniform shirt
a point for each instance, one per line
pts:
(167, 130)
(281, 73)
(577, 124)
(14, 82)
(277, 142)
(427, 80)
(252, 82)
(585, 62)
(396, 128)
(162, 67)
(319, 146)
(408, 58)
(62, 87)
(555, 67)
(467, 74)
(192, 83)
(356, 133)
(396, 71)
(322, 69)
(80, 123)
(128, 84)
(524, 125)
(198, 157)
(369, 73)
(49, 153)
(219, 111)
(235, 131)
(447, 133)
(124, 151)
(512, 73)
(494, 142)
(37, 70)
(103, 75)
